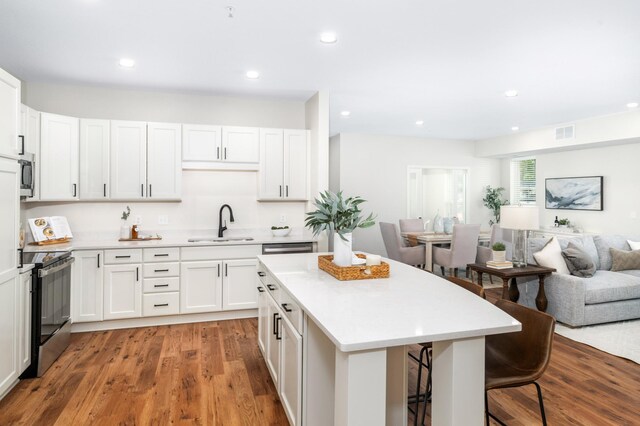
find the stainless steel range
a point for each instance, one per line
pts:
(51, 301)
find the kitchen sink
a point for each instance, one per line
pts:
(219, 240)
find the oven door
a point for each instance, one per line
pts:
(55, 287)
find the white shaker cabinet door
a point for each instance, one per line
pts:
(263, 326)
(59, 157)
(201, 143)
(240, 144)
(291, 372)
(271, 173)
(273, 341)
(122, 291)
(25, 322)
(164, 161)
(9, 115)
(128, 169)
(94, 159)
(9, 332)
(296, 160)
(239, 284)
(87, 286)
(200, 287)
(31, 132)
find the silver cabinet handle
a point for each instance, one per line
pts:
(48, 271)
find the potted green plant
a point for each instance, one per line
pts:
(499, 252)
(563, 223)
(493, 201)
(125, 231)
(339, 216)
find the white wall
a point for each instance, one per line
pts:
(203, 191)
(375, 167)
(334, 163)
(619, 166)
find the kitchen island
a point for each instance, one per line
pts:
(349, 355)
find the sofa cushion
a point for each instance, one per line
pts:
(633, 272)
(605, 242)
(551, 257)
(635, 245)
(607, 286)
(578, 261)
(586, 241)
(622, 260)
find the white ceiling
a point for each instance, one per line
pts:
(446, 62)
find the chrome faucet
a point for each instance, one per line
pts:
(221, 228)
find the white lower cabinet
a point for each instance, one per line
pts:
(9, 333)
(262, 318)
(157, 304)
(290, 371)
(238, 285)
(201, 286)
(24, 359)
(122, 291)
(273, 341)
(87, 286)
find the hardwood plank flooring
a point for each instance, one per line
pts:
(213, 374)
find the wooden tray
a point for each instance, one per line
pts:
(50, 242)
(355, 272)
(140, 239)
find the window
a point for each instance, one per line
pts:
(523, 181)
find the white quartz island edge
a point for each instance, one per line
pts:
(370, 322)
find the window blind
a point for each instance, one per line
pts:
(523, 181)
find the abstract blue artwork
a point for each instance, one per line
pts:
(574, 193)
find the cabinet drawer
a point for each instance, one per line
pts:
(291, 310)
(221, 252)
(157, 304)
(158, 270)
(161, 285)
(122, 256)
(273, 287)
(167, 254)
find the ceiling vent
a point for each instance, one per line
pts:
(567, 132)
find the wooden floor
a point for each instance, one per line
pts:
(213, 373)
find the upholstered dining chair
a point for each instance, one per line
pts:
(498, 234)
(424, 359)
(396, 250)
(521, 358)
(463, 250)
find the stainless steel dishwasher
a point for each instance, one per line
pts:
(287, 248)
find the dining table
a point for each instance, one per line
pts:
(429, 239)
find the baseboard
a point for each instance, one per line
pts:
(6, 392)
(164, 320)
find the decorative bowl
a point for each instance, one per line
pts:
(282, 232)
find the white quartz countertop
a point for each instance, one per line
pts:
(411, 306)
(174, 239)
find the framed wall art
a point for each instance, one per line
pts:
(574, 193)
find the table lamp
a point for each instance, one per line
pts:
(521, 220)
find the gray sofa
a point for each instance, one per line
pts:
(606, 297)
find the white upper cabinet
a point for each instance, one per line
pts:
(284, 165)
(271, 178)
(164, 153)
(94, 159)
(9, 115)
(201, 143)
(128, 160)
(296, 165)
(31, 132)
(240, 144)
(59, 153)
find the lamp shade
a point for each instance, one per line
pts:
(519, 217)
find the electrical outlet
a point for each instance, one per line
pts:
(283, 218)
(163, 219)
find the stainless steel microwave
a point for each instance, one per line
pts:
(27, 174)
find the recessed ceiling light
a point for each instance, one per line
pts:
(419, 122)
(328, 38)
(127, 63)
(345, 113)
(515, 128)
(511, 93)
(253, 75)
(632, 105)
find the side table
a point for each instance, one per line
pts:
(511, 292)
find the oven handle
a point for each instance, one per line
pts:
(65, 264)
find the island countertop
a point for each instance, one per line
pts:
(411, 306)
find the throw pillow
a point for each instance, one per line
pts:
(551, 257)
(635, 245)
(624, 260)
(578, 261)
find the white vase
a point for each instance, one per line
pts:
(124, 230)
(342, 250)
(499, 256)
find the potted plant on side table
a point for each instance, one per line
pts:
(339, 216)
(499, 252)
